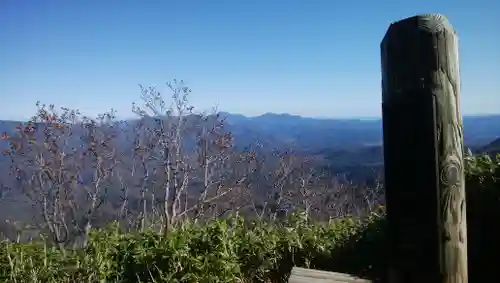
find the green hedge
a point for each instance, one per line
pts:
(230, 250)
(236, 250)
(483, 217)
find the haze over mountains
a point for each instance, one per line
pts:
(346, 142)
(311, 134)
(348, 146)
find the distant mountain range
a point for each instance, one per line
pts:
(351, 147)
(492, 148)
(312, 134)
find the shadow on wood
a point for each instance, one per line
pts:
(301, 275)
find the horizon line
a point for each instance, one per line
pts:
(361, 118)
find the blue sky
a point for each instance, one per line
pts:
(312, 58)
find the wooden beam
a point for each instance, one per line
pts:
(423, 151)
(304, 275)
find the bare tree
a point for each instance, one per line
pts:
(191, 148)
(61, 161)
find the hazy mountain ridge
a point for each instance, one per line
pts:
(351, 146)
(313, 134)
(492, 148)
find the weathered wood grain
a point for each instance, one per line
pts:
(423, 151)
(303, 275)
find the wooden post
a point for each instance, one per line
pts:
(423, 151)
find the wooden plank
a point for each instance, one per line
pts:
(423, 151)
(303, 275)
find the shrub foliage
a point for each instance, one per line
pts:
(244, 250)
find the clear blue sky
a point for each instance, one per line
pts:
(312, 58)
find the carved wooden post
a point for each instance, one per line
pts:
(423, 151)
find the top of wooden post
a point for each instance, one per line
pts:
(410, 47)
(428, 23)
